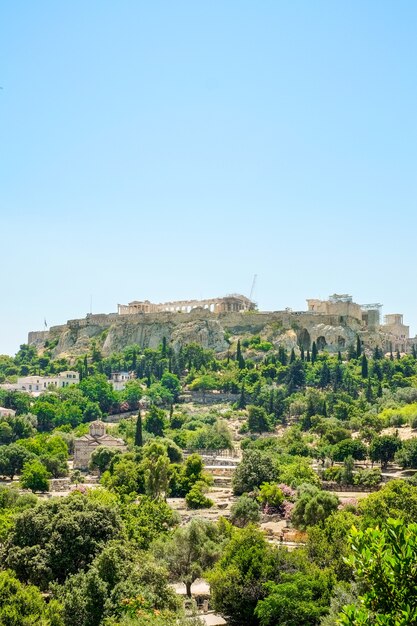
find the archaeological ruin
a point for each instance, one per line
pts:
(233, 303)
(333, 324)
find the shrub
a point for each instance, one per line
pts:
(196, 499)
(244, 511)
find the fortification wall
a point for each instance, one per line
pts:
(38, 337)
(114, 332)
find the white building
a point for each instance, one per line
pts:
(119, 380)
(38, 384)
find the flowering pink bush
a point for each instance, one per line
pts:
(287, 508)
(288, 491)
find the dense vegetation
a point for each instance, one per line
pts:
(308, 424)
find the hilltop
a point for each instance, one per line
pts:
(334, 325)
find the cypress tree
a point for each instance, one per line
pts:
(308, 356)
(138, 431)
(398, 355)
(164, 347)
(302, 353)
(242, 400)
(324, 375)
(239, 357)
(414, 351)
(368, 392)
(339, 356)
(292, 356)
(377, 353)
(282, 355)
(314, 352)
(351, 353)
(364, 366)
(358, 347)
(85, 366)
(324, 409)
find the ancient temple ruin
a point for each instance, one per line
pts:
(233, 303)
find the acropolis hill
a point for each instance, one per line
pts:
(333, 324)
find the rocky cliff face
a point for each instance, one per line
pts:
(115, 332)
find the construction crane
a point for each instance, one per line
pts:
(255, 276)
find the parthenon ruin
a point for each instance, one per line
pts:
(233, 303)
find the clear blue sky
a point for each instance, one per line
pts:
(172, 149)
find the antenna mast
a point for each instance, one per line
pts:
(255, 276)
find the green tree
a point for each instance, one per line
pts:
(23, 605)
(313, 506)
(349, 447)
(383, 449)
(242, 400)
(258, 420)
(132, 393)
(255, 468)
(58, 538)
(384, 561)
(123, 477)
(406, 456)
(172, 383)
(138, 431)
(156, 467)
(398, 498)
(239, 357)
(299, 599)
(295, 377)
(102, 457)
(97, 389)
(238, 580)
(12, 459)
(191, 550)
(196, 498)
(364, 366)
(92, 412)
(155, 421)
(314, 352)
(244, 511)
(270, 494)
(35, 476)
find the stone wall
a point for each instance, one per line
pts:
(289, 328)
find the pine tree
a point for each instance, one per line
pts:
(314, 352)
(358, 347)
